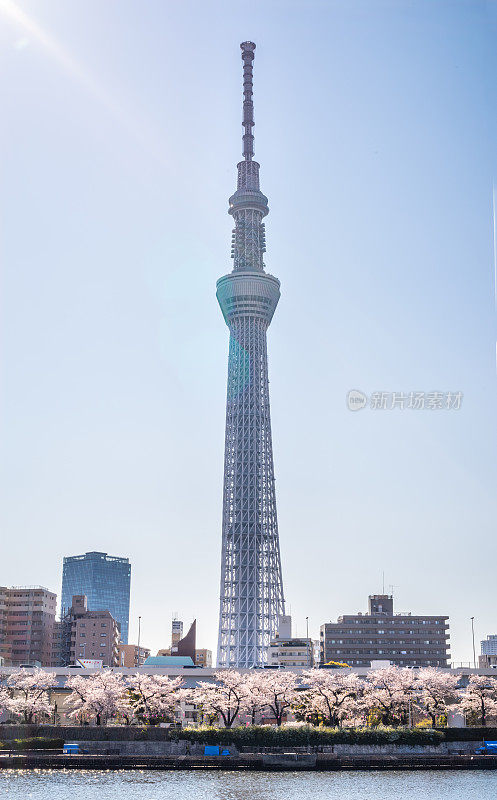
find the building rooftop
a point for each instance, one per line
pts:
(168, 661)
(96, 555)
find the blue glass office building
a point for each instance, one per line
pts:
(104, 579)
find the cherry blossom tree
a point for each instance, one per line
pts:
(278, 691)
(253, 701)
(332, 696)
(4, 696)
(100, 696)
(387, 693)
(152, 697)
(29, 693)
(225, 698)
(480, 697)
(436, 690)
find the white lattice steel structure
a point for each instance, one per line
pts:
(251, 584)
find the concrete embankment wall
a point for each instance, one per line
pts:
(244, 762)
(181, 748)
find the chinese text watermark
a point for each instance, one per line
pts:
(415, 401)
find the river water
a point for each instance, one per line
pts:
(206, 785)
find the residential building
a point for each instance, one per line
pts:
(487, 661)
(5, 645)
(287, 651)
(104, 580)
(488, 657)
(380, 635)
(27, 620)
(489, 645)
(176, 631)
(83, 633)
(203, 658)
(130, 655)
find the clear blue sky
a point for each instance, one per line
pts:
(377, 135)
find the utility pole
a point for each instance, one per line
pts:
(139, 632)
(473, 637)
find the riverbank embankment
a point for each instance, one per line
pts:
(248, 761)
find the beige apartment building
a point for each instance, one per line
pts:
(86, 634)
(203, 658)
(130, 655)
(27, 619)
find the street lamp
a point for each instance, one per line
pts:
(139, 631)
(473, 636)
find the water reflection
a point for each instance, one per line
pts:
(205, 785)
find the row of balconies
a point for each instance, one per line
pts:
(384, 643)
(337, 630)
(375, 635)
(345, 653)
(388, 619)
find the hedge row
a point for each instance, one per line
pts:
(264, 735)
(470, 734)
(301, 736)
(34, 743)
(93, 733)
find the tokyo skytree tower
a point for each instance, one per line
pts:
(251, 583)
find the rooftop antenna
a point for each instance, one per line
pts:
(383, 589)
(248, 49)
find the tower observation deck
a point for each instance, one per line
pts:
(251, 597)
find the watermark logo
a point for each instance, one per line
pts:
(356, 400)
(413, 401)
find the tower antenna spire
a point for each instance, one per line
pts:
(248, 49)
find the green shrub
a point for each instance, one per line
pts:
(470, 734)
(34, 743)
(301, 736)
